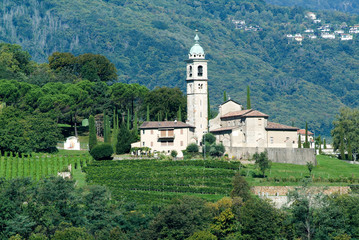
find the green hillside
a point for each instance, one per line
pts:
(148, 41)
(350, 6)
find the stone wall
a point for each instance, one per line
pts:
(298, 156)
(283, 190)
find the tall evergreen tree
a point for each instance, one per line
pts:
(342, 152)
(92, 132)
(107, 129)
(115, 131)
(225, 96)
(299, 141)
(128, 119)
(123, 140)
(148, 113)
(248, 98)
(350, 153)
(306, 142)
(208, 108)
(135, 124)
(179, 114)
(324, 144)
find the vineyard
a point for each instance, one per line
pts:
(39, 166)
(156, 182)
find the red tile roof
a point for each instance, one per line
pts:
(302, 132)
(164, 124)
(223, 129)
(245, 113)
(277, 126)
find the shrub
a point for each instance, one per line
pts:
(174, 153)
(102, 152)
(192, 148)
(217, 150)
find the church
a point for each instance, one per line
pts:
(242, 131)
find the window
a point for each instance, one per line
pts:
(143, 131)
(271, 140)
(143, 144)
(171, 133)
(163, 133)
(181, 143)
(181, 131)
(200, 114)
(190, 71)
(151, 144)
(151, 132)
(170, 143)
(259, 122)
(163, 143)
(200, 71)
(200, 86)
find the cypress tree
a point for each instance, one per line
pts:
(299, 141)
(123, 140)
(107, 130)
(148, 114)
(324, 144)
(342, 152)
(104, 127)
(135, 126)
(224, 96)
(92, 132)
(350, 153)
(128, 119)
(115, 131)
(179, 114)
(208, 108)
(248, 98)
(306, 143)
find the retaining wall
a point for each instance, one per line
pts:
(298, 156)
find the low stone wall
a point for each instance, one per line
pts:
(283, 190)
(298, 156)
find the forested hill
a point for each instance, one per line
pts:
(148, 41)
(350, 6)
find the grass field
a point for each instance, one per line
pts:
(329, 171)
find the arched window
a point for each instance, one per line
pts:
(200, 71)
(190, 71)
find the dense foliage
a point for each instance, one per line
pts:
(102, 152)
(147, 42)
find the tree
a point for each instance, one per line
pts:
(123, 140)
(350, 153)
(324, 143)
(248, 98)
(342, 151)
(106, 128)
(310, 167)
(174, 153)
(202, 235)
(180, 219)
(102, 152)
(148, 114)
(318, 144)
(92, 133)
(192, 148)
(241, 188)
(72, 233)
(299, 141)
(179, 114)
(128, 120)
(224, 96)
(345, 126)
(262, 161)
(306, 143)
(216, 150)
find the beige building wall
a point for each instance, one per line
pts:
(166, 140)
(255, 133)
(282, 139)
(228, 107)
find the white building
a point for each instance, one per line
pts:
(346, 37)
(328, 35)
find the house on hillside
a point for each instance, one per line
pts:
(301, 133)
(328, 35)
(346, 37)
(311, 15)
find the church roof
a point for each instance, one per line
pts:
(245, 113)
(223, 129)
(278, 126)
(196, 48)
(164, 124)
(231, 100)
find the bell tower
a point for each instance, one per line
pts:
(197, 95)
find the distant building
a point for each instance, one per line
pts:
(339, 32)
(328, 35)
(309, 30)
(346, 37)
(298, 37)
(317, 21)
(311, 15)
(301, 132)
